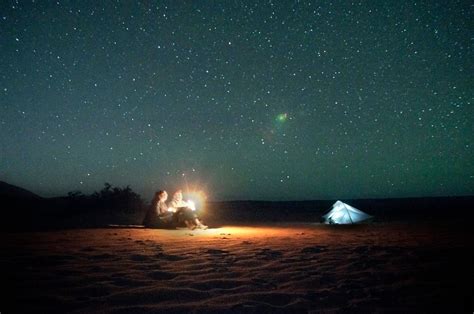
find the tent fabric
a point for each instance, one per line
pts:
(342, 213)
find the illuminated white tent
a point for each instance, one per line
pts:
(342, 213)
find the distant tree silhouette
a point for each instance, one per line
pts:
(109, 199)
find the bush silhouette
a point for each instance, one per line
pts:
(109, 199)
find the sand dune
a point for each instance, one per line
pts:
(294, 268)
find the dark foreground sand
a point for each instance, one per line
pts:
(264, 269)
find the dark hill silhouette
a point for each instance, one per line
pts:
(24, 210)
(13, 191)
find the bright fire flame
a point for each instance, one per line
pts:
(191, 205)
(196, 199)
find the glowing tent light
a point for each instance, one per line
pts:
(342, 213)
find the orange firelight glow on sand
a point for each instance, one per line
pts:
(239, 233)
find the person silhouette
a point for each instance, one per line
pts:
(184, 212)
(158, 215)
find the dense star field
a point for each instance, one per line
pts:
(278, 100)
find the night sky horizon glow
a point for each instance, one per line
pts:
(274, 100)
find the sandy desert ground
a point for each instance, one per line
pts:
(296, 268)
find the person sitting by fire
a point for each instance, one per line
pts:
(158, 215)
(184, 212)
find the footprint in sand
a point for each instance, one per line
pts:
(88, 249)
(161, 275)
(217, 252)
(93, 291)
(220, 284)
(139, 258)
(155, 246)
(169, 257)
(104, 256)
(268, 254)
(126, 282)
(361, 249)
(314, 249)
(221, 259)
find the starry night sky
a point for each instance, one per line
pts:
(276, 100)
